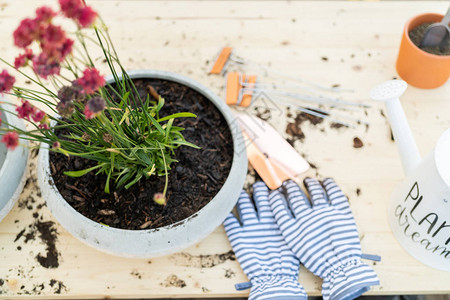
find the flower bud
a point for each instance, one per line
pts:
(159, 198)
(86, 137)
(108, 138)
(94, 107)
(65, 108)
(70, 93)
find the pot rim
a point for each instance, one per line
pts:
(407, 29)
(16, 162)
(239, 157)
(11, 119)
(8, 153)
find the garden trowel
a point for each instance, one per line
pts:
(270, 154)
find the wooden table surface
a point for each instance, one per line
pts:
(353, 44)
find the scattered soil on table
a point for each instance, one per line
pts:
(27, 287)
(295, 131)
(263, 113)
(193, 181)
(173, 281)
(229, 273)
(417, 34)
(294, 128)
(357, 143)
(26, 203)
(335, 125)
(136, 274)
(58, 286)
(202, 261)
(46, 232)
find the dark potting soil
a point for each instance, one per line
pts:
(417, 34)
(193, 181)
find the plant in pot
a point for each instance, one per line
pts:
(422, 67)
(137, 164)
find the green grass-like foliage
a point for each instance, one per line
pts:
(128, 144)
(127, 137)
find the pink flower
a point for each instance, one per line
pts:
(66, 48)
(77, 10)
(89, 114)
(22, 59)
(53, 36)
(91, 81)
(44, 126)
(45, 66)
(57, 53)
(27, 31)
(94, 107)
(38, 115)
(26, 110)
(11, 139)
(86, 16)
(6, 81)
(44, 14)
(70, 8)
(1, 121)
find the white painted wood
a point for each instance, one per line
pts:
(360, 40)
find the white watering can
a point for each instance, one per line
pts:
(419, 210)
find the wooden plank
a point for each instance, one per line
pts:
(359, 41)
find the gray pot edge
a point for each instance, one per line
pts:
(13, 172)
(164, 240)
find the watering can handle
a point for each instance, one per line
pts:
(402, 134)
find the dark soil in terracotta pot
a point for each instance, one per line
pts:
(417, 34)
(193, 181)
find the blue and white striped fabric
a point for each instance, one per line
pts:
(323, 236)
(261, 250)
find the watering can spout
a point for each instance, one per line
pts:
(389, 92)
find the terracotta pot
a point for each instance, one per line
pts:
(164, 240)
(417, 67)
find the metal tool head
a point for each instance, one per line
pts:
(437, 34)
(388, 90)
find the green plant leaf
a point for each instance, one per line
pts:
(168, 127)
(160, 104)
(81, 172)
(126, 96)
(136, 179)
(186, 143)
(178, 115)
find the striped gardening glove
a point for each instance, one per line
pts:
(323, 236)
(261, 250)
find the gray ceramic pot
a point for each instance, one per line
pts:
(13, 164)
(164, 240)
